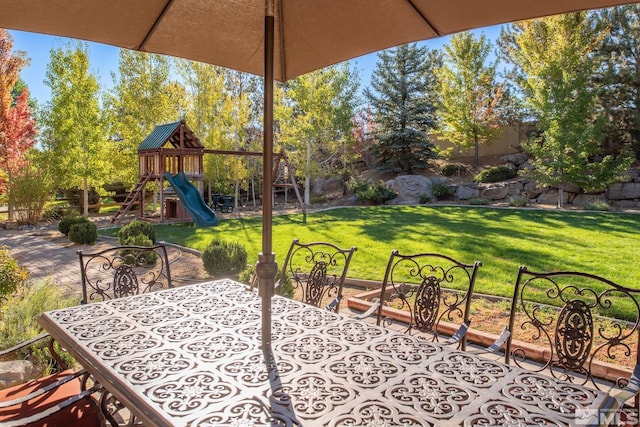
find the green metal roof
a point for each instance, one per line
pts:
(159, 136)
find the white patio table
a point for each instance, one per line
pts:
(191, 356)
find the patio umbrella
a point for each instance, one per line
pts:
(278, 39)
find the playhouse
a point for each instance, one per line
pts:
(173, 153)
(170, 148)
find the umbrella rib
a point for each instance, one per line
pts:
(155, 25)
(424, 18)
(282, 65)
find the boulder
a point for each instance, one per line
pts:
(626, 204)
(624, 190)
(583, 199)
(532, 190)
(354, 201)
(526, 166)
(495, 192)
(410, 188)
(515, 188)
(465, 192)
(568, 187)
(11, 225)
(333, 185)
(517, 158)
(630, 175)
(15, 372)
(317, 187)
(548, 198)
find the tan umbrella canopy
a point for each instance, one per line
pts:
(278, 39)
(308, 34)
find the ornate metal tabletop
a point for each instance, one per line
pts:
(191, 356)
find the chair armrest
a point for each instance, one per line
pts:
(43, 390)
(334, 303)
(44, 414)
(460, 333)
(500, 341)
(616, 400)
(371, 310)
(23, 344)
(634, 381)
(61, 364)
(631, 390)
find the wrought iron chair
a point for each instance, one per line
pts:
(316, 272)
(426, 290)
(118, 272)
(577, 330)
(615, 408)
(62, 398)
(123, 271)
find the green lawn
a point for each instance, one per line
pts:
(605, 244)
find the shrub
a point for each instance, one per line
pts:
(137, 257)
(597, 205)
(495, 174)
(135, 228)
(424, 199)
(58, 212)
(453, 169)
(18, 321)
(84, 233)
(286, 287)
(12, 276)
(358, 187)
(377, 193)
(224, 258)
(441, 191)
(248, 276)
(518, 201)
(478, 201)
(317, 199)
(29, 192)
(64, 226)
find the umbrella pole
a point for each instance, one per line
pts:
(267, 268)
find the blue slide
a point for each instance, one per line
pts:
(192, 200)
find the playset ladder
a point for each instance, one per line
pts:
(132, 197)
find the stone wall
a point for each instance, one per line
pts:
(621, 195)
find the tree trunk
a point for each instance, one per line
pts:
(560, 197)
(85, 198)
(10, 207)
(253, 190)
(476, 150)
(307, 176)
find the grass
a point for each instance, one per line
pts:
(604, 244)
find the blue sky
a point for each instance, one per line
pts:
(104, 59)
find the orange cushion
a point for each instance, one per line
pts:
(81, 414)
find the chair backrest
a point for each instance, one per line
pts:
(581, 325)
(317, 271)
(424, 290)
(124, 270)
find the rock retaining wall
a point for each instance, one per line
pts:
(622, 195)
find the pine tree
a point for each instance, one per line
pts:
(403, 105)
(618, 78)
